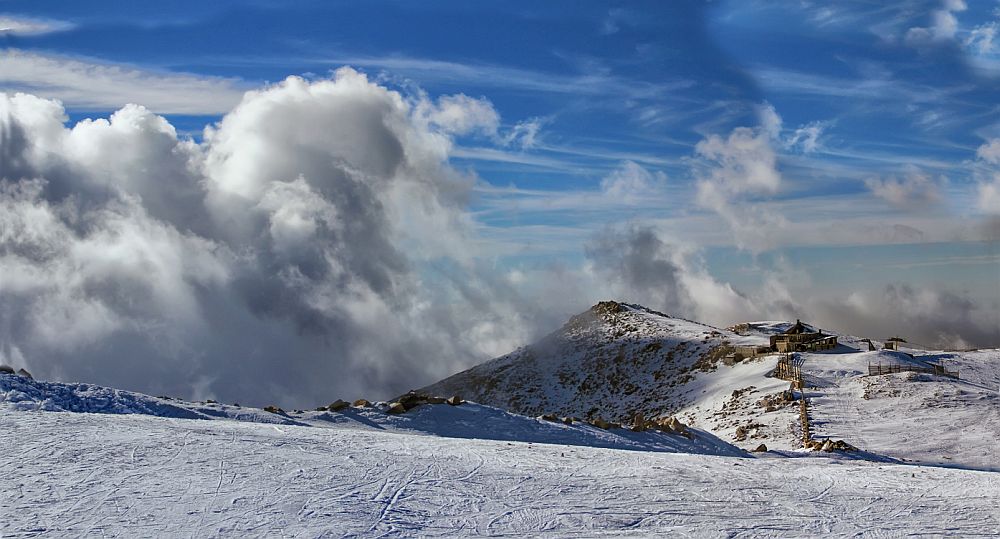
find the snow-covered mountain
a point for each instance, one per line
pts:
(612, 361)
(616, 360)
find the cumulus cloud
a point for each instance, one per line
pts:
(315, 244)
(735, 170)
(915, 190)
(636, 264)
(460, 114)
(99, 86)
(631, 183)
(990, 151)
(943, 27)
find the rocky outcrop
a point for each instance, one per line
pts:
(338, 405)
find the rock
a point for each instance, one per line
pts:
(435, 400)
(273, 409)
(567, 420)
(320, 409)
(338, 405)
(841, 445)
(761, 449)
(361, 403)
(676, 426)
(548, 417)
(24, 373)
(638, 423)
(6, 369)
(600, 423)
(412, 399)
(395, 408)
(827, 446)
(454, 400)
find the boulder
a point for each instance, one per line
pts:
(395, 408)
(5, 369)
(24, 373)
(827, 446)
(761, 449)
(675, 425)
(567, 420)
(361, 403)
(320, 409)
(435, 400)
(548, 417)
(273, 409)
(412, 399)
(454, 400)
(338, 405)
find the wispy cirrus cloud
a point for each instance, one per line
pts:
(27, 26)
(97, 86)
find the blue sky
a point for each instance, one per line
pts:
(878, 117)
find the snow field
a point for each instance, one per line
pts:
(133, 475)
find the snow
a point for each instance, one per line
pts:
(913, 416)
(468, 420)
(75, 474)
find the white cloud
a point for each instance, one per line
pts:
(769, 121)
(944, 24)
(88, 85)
(630, 183)
(460, 114)
(806, 138)
(24, 26)
(989, 195)
(735, 170)
(285, 257)
(990, 151)
(988, 190)
(524, 134)
(915, 190)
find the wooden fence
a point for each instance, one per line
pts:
(789, 369)
(878, 369)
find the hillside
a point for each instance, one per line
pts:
(468, 420)
(617, 359)
(611, 361)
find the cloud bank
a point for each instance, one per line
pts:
(314, 245)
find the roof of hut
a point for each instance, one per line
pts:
(798, 329)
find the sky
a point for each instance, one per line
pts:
(363, 197)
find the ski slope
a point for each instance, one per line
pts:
(82, 474)
(913, 416)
